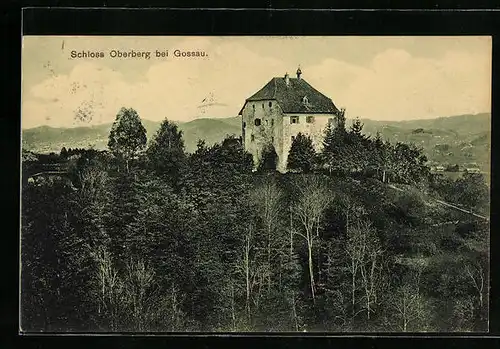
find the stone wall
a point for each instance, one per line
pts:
(276, 128)
(315, 130)
(269, 130)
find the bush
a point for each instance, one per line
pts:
(426, 248)
(410, 207)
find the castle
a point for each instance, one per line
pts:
(279, 111)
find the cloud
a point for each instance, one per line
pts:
(394, 86)
(398, 86)
(173, 88)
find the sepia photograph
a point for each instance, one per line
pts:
(242, 184)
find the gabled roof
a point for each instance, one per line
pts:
(290, 98)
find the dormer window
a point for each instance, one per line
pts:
(305, 101)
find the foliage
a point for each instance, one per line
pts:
(269, 159)
(302, 155)
(199, 242)
(165, 152)
(469, 190)
(127, 136)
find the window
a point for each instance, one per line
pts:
(267, 122)
(270, 104)
(253, 107)
(252, 138)
(310, 119)
(272, 122)
(257, 122)
(294, 120)
(262, 105)
(272, 139)
(244, 124)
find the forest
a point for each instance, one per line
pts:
(146, 237)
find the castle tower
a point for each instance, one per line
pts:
(281, 109)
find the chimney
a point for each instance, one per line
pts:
(299, 72)
(287, 79)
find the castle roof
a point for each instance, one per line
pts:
(290, 96)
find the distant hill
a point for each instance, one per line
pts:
(45, 139)
(461, 139)
(458, 139)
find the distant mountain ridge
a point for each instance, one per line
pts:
(457, 139)
(46, 139)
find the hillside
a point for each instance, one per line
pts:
(461, 139)
(46, 139)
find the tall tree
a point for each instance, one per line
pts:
(407, 164)
(314, 198)
(269, 159)
(356, 128)
(127, 136)
(380, 156)
(166, 152)
(64, 153)
(369, 263)
(358, 147)
(333, 153)
(410, 308)
(302, 155)
(217, 186)
(268, 199)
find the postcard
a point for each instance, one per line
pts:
(271, 184)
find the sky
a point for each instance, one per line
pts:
(381, 78)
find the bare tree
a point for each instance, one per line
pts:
(247, 266)
(354, 251)
(410, 309)
(475, 274)
(93, 199)
(370, 264)
(164, 310)
(139, 290)
(110, 286)
(314, 198)
(267, 198)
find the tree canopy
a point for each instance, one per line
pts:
(127, 136)
(165, 152)
(302, 155)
